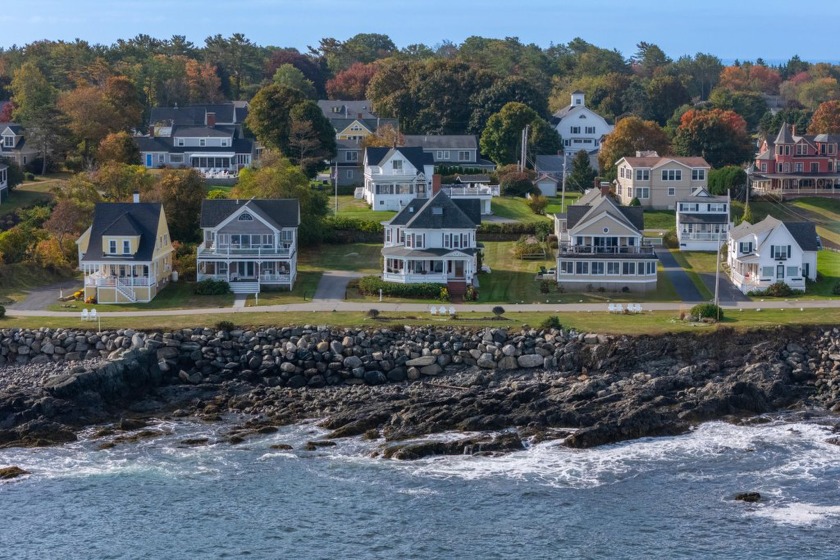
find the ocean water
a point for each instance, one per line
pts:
(651, 498)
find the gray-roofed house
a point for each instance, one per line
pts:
(13, 144)
(207, 137)
(249, 243)
(433, 240)
(335, 109)
(772, 251)
(126, 253)
(601, 245)
(580, 127)
(702, 221)
(396, 176)
(456, 150)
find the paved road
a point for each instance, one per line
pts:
(333, 284)
(686, 289)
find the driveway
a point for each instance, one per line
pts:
(43, 296)
(685, 288)
(333, 284)
(727, 292)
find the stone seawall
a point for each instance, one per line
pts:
(605, 388)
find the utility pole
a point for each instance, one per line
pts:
(335, 180)
(523, 154)
(563, 192)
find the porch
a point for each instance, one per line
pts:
(437, 271)
(279, 273)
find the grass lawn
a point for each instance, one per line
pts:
(350, 207)
(514, 208)
(304, 289)
(660, 219)
(358, 257)
(27, 194)
(177, 295)
(653, 323)
(225, 188)
(555, 203)
(828, 276)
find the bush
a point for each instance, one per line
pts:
(443, 295)
(498, 311)
(506, 228)
(707, 311)
(373, 313)
(635, 202)
(670, 239)
(211, 287)
(516, 184)
(542, 230)
(370, 286)
(778, 289)
(225, 326)
(537, 203)
(29, 176)
(471, 294)
(836, 289)
(2, 311)
(552, 322)
(545, 286)
(341, 229)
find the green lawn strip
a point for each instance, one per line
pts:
(651, 323)
(23, 197)
(225, 188)
(514, 208)
(365, 258)
(828, 269)
(692, 272)
(660, 219)
(305, 286)
(176, 295)
(355, 208)
(555, 203)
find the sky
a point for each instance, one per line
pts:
(744, 29)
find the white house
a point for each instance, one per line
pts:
(249, 243)
(601, 246)
(702, 221)
(580, 127)
(396, 176)
(772, 251)
(433, 240)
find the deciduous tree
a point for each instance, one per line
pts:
(718, 136)
(290, 77)
(269, 115)
(353, 82)
(631, 134)
(501, 138)
(826, 119)
(118, 147)
(181, 192)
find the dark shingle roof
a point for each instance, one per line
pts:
(163, 144)
(423, 213)
(281, 212)
(633, 214)
(346, 109)
(416, 156)
(784, 136)
(442, 141)
(195, 115)
(805, 234)
(124, 218)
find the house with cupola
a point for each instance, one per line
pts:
(433, 240)
(580, 127)
(658, 182)
(772, 251)
(209, 138)
(702, 221)
(396, 176)
(251, 244)
(797, 164)
(600, 245)
(126, 253)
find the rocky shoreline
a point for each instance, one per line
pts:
(398, 385)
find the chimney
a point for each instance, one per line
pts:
(605, 188)
(211, 119)
(152, 130)
(359, 116)
(136, 197)
(793, 130)
(436, 183)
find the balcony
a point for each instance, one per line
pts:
(598, 250)
(103, 281)
(416, 278)
(700, 236)
(233, 251)
(461, 192)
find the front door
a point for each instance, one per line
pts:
(246, 270)
(459, 269)
(780, 272)
(149, 160)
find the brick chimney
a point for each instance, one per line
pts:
(605, 188)
(211, 119)
(359, 116)
(436, 183)
(152, 130)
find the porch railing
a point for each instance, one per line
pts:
(229, 251)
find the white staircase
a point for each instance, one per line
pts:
(359, 192)
(126, 290)
(245, 287)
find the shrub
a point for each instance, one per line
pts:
(670, 239)
(370, 285)
(707, 311)
(635, 202)
(2, 311)
(836, 289)
(211, 287)
(373, 313)
(225, 326)
(537, 203)
(498, 311)
(341, 229)
(542, 230)
(625, 290)
(552, 322)
(516, 184)
(778, 289)
(545, 286)
(444, 294)
(471, 294)
(29, 176)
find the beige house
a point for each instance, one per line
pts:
(659, 182)
(126, 253)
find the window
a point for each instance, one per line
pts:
(778, 168)
(575, 130)
(598, 268)
(745, 247)
(792, 271)
(126, 247)
(245, 217)
(225, 142)
(628, 268)
(698, 174)
(464, 156)
(582, 267)
(442, 154)
(202, 142)
(590, 129)
(566, 267)
(672, 191)
(396, 165)
(672, 174)
(801, 150)
(643, 174)
(351, 156)
(9, 141)
(348, 173)
(764, 167)
(797, 167)
(642, 192)
(717, 207)
(180, 142)
(176, 158)
(613, 268)
(767, 271)
(815, 167)
(779, 252)
(112, 246)
(786, 167)
(243, 159)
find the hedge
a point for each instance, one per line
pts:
(341, 229)
(211, 287)
(707, 311)
(370, 285)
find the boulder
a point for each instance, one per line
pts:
(7, 473)
(530, 361)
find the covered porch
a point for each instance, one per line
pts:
(407, 270)
(274, 272)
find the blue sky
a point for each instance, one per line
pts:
(745, 29)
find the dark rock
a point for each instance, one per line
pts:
(8, 473)
(748, 496)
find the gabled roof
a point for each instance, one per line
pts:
(167, 144)
(341, 109)
(202, 132)
(442, 141)
(280, 213)
(481, 178)
(233, 112)
(124, 218)
(439, 212)
(416, 156)
(804, 233)
(700, 194)
(549, 164)
(658, 161)
(631, 216)
(785, 136)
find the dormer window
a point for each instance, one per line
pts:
(126, 247)
(397, 165)
(9, 141)
(246, 217)
(224, 141)
(202, 142)
(179, 141)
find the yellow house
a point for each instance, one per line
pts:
(126, 253)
